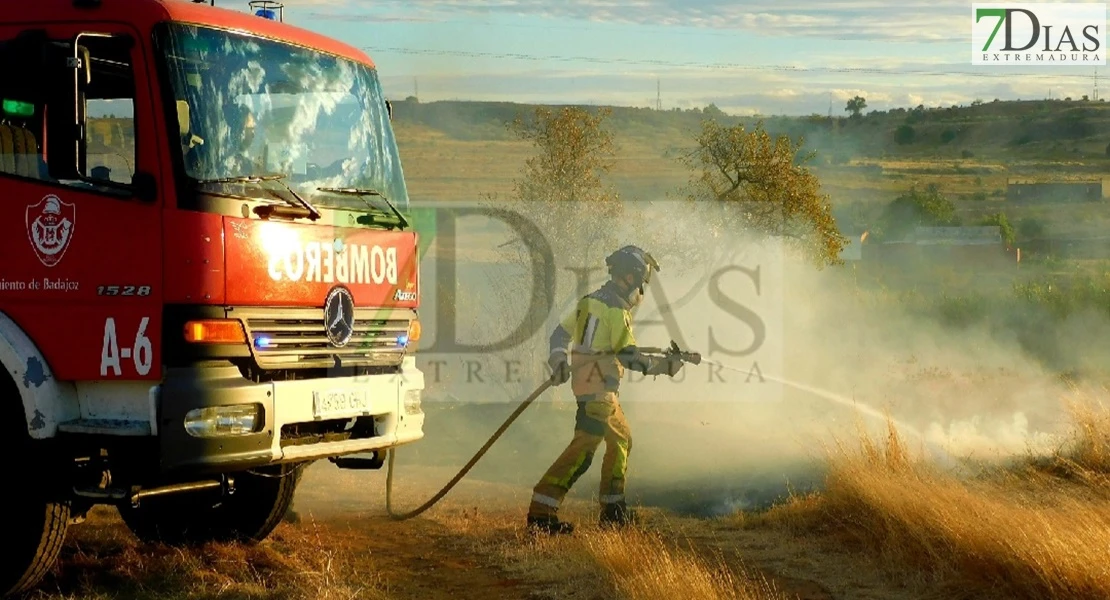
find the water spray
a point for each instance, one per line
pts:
(845, 401)
(827, 395)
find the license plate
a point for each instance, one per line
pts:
(334, 404)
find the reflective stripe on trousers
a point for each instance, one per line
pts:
(600, 418)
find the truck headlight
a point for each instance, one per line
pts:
(412, 402)
(221, 421)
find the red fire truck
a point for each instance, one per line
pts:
(208, 273)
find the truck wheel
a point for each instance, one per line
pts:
(262, 497)
(34, 539)
(38, 515)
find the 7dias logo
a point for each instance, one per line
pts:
(1038, 34)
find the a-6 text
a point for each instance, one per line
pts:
(141, 352)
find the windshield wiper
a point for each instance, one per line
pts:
(367, 192)
(243, 178)
(313, 213)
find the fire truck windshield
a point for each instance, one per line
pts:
(253, 107)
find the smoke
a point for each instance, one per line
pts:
(712, 440)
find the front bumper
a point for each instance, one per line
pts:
(298, 420)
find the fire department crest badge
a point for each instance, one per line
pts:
(50, 228)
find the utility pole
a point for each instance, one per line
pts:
(658, 95)
(1096, 85)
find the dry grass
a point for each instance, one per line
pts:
(1020, 534)
(1084, 458)
(639, 566)
(1091, 450)
(438, 167)
(102, 560)
(636, 564)
(639, 563)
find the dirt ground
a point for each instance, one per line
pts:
(469, 545)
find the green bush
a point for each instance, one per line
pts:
(1008, 235)
(1064, 297)
(905, 134)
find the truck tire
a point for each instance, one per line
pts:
(37, 516)
(33, 539)
(261, 498)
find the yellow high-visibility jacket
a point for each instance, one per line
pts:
(598, 336)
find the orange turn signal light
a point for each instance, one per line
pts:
(215, 331)
(414, 331)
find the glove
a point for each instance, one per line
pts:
(560, 369)
(674, 365)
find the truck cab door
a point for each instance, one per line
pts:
(80, 216)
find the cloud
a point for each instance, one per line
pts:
(798, 73)
(378, 18)
(941, 21)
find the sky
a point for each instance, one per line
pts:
(755, 57)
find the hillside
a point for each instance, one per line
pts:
(462, 150)
(1035, 130)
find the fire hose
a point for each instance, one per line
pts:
(672, 351)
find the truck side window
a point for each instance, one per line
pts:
(110, 140)
(22, 112)
(107, 153)
(20, 147)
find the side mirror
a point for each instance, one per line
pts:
(145, 186)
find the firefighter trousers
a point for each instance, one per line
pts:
(599, 418)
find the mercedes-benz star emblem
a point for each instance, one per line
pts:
(339, 316)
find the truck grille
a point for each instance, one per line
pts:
(297, 339)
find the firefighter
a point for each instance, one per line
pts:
(601, 346)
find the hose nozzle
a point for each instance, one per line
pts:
(693, 358)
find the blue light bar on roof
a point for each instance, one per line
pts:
(268, 9)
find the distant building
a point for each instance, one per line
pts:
(1055, 191)
(989, 235)
(969, 247)
(1096, 247)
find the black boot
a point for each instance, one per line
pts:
(617, 514)
(549, 525)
